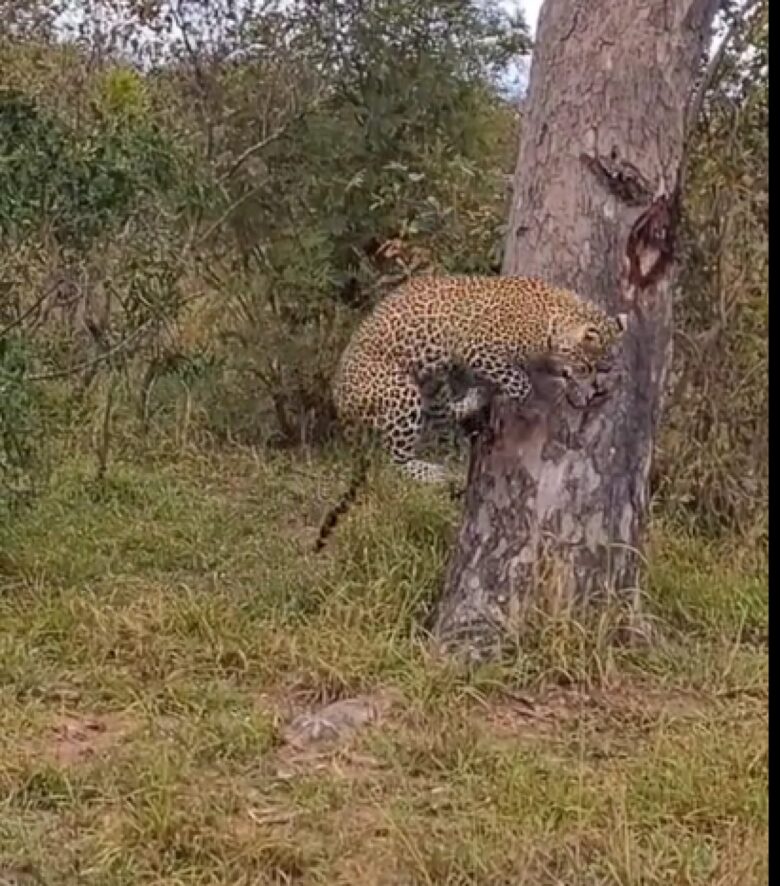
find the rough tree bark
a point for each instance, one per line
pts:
(556, 486)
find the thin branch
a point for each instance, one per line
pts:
(25, 314)
(88, 364)
(697, 101)
(257, 147)
(224, 217)
(269, 139)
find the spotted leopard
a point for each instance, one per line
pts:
(431, 327)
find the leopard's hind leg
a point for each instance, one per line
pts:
(399, 422)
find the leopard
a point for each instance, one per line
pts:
(430, 327)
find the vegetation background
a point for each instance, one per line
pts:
(198, 201)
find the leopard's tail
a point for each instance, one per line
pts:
(359, 477)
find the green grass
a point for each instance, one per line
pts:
(157, 633)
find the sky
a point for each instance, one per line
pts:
(516, 79)
(530, 9)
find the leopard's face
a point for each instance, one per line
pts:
(583, 343)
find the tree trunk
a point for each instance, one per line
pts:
(557, 491)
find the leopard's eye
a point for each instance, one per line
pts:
(592, 335)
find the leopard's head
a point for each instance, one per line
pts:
(585, 341)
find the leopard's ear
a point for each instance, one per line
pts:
(622, 322)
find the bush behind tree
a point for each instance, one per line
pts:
(189, 236)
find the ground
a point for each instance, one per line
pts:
(159, 635)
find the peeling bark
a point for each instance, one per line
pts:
(557, 486)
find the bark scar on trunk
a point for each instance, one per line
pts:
(619, 177)
(651, 241)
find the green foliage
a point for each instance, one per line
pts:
(714, 459)
(121, 94)
(20, 424)
(79, 184)
(378, 149)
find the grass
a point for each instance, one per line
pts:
(157, 633)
